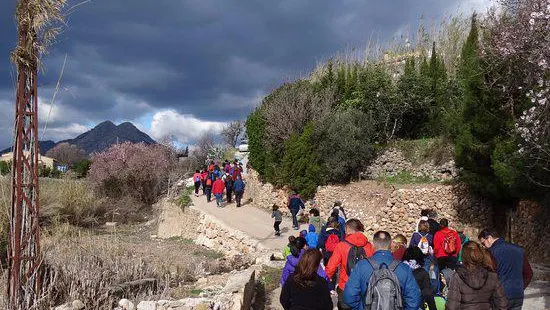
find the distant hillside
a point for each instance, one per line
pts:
(100, 138)
(106, 134)
(43, 145)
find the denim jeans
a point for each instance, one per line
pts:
(294, 212)
(219, 199)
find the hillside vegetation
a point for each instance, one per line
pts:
(471, 84)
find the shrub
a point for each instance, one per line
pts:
(81, 168)
(67, 154)
(345, 142)
(138, 170)
(255, 130)
(301, 167)
(5, 167)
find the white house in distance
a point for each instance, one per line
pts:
(42, 160)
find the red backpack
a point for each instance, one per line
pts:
(449, 243)
(331, 243)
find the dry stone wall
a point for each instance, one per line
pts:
(391, 162)
(531, 230)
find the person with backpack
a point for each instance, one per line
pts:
(380, 282)
(316, 220)
(423, 217)
(414, 258)
(204, 175)
(473, 286)
(228, 187)
(297, 249)
(446, 246)
(422, 238)
(341, 222)
(217, 189)
(295, 204)
(312, 237)
(512, 267)
(329, 238)
(286, 249)
(238, 188)
(208, 187)
(197, 182)
(347, 253)
(305, 288)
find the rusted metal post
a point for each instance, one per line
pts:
(24, 246)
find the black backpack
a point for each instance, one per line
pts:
(355, 254)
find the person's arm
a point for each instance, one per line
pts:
(334, 262)
(413, 241)
(286, 273)
(285, 296)
(411, 292)
(527, 272)
(453, 295)
(356, 287)
(499, 300)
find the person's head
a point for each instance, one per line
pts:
(306, 270)
(334, 213)
(399, 241)
(291, 239)
(314, 212)
(311, 228)
(432, 214)
(444, 223)
(487, 237)
(274, 207)
(473, 256)
(414, 253)
(297, 246)
(303, 233)
(353, 226)
(197, 171)
(424, 212)
(423, 226)
(216, 177)
(381, 240)
(332, 222)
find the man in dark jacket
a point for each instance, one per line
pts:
(512, 266)
(229, 187)
(238, 188)
(295, 203)
(356, 286)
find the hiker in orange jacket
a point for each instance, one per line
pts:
(446, 246)
(339, 258)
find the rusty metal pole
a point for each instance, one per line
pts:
(24, 247)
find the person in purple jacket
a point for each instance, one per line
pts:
(297, 250)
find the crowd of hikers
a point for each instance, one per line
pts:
(219, 178)
(439, 268)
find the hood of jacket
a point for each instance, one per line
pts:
(357, 239)
(475, 279)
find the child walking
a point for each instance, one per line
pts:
(278, 216)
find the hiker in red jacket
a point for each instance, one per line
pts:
(339, 259)
(217, 189)
(446, 246)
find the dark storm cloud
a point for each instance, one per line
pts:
(209, 58)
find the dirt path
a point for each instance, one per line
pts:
(254, 222)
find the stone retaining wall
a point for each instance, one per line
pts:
(216, 235)
(531, 230)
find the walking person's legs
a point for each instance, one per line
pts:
(238, 197)
(294, 212)
(277, 229)
(208, 194)
(219, 200)
(197, 186)
(229, 194)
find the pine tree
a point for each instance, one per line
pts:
(484, 126)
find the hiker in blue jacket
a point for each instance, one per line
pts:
(238, 188)
(356, 287)
(295, 204)
(512, 267)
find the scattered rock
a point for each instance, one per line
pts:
(111, 224)
(147, 305)
(125, 304)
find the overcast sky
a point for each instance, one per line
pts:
(183, 67)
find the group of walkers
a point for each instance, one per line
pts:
(219, 178)
(440, 268)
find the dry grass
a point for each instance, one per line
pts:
(430, 150)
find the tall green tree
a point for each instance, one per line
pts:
(255, 130)
(485, 127)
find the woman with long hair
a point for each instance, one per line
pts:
(474, 285)
(305, 289)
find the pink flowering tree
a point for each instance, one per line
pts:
(519, 37)
(137, 170)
